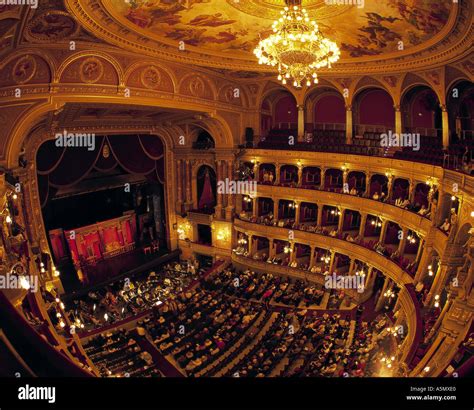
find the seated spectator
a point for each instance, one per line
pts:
(376, 196)
(405, 203)
(353, 191)
(446, 226)
(423, 211)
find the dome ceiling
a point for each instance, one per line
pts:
(233, 27)
(223, 33)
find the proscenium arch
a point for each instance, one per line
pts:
(217, 126)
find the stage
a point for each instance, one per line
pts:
(124, 265)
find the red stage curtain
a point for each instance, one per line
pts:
(73, 247)
(207, 196)
(57, 245)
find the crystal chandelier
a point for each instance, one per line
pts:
(297, 47)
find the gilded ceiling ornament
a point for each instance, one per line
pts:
(229, 95)
(391, 81)
(270, 9)
(151, 77)
(196, 86)
(91, 70)
(106, 151)
(51, 26)
(24, 69)
(434, 77)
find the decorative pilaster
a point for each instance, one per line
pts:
(341, 220)
(297, 212)
(383, 231)
(312, 257)
(398, 119)
(300, 122)
(331, 262)
(349, 124)
(229, 211)
(320, 215)
(403, 241)
(381, 300)
(425, 260)
(445, 124)
(363, 222)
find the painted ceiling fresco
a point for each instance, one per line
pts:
(234, 27)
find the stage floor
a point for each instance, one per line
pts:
(105, 271)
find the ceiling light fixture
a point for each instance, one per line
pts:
(296, 47)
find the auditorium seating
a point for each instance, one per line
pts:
(116, 354)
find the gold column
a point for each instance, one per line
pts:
(271, 248)
(381, 298)
(398, 120)
(179, 182)
(312, 257)
(219, 176)
(403, 241)
(323, 175)
(300, 176)
(331, 262)
(230, 197)
(348, 124)
(300, 122)
(363, 222)
(277, 174)
(297, 212)
(383, 231)
(254, 206)
(188, 182)
(426, 257)
(445, 122)
(341, 220)
(320, 214)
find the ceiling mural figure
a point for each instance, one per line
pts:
(236, 27)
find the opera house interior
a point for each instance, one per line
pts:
(236, 188)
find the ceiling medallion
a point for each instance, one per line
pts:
(296, 47)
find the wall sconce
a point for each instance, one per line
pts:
(223, 234)
(377, 223)
(288, 249)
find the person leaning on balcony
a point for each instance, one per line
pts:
(405, 203)
(445, 226)
(423, 211)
